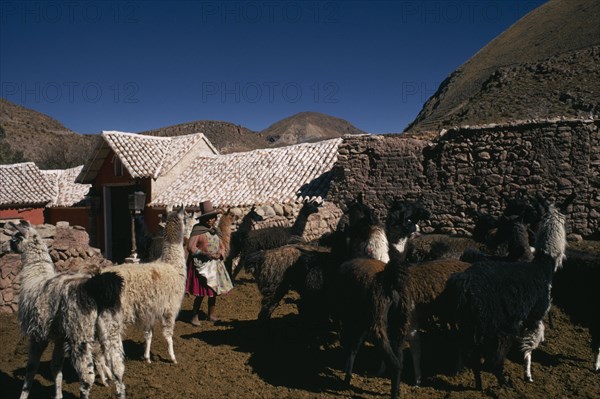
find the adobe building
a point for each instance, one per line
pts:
(124, 163)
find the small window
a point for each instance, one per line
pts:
(118, 166)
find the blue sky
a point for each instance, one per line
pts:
(133, 65)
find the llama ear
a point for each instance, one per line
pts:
(360, 198)
(169, 208)
(542, 202)
(22, 227)
(568, 201)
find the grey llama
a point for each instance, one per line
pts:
(70, 309)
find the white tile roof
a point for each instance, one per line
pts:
(142, 156)
(24, 184)
(264, 176)
(66, 191)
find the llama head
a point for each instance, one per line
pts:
(485, 228)
(253, 216)
(22, 235)
(505, 224)
(529, 212)
(310, 207)
(359, 218)
(552, 237)
(402, 220)
(514, 233)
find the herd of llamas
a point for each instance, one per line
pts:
(366, 281)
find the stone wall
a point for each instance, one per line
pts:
(477, 169)
(68, 247)
(285, 215)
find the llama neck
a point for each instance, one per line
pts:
(401, 245)
(173, 249)
(300, 224)
(518, 243)
(545, 265)
(244, 228)
(173, 253)
(36, 261)
(376, 246)
(552, 238)
(396, 270)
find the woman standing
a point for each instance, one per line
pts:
(207, 275)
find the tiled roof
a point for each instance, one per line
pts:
(66, 191)
(24, 184)
(277, 175)
(143, 156)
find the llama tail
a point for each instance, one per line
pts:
(102, 291)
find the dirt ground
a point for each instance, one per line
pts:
(239, 358)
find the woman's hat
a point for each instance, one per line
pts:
(207, 210)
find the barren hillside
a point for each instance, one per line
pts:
(547, 64)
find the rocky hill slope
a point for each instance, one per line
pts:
(306, 127)
(547, 64)
(226, 137)
(29, 135)
(303, 127)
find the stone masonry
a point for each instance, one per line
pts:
(477, 168)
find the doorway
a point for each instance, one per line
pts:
(117, 222)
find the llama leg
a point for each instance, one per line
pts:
(502, 350)
(474, 359)
(33, 362)
(392, 355)
(530, 341)
(148, 340)
(476, 366)
(102, 368)
(117, 356)
(58, 355)
(111, 351)
(415, 350)
(527, 360)
(352, 351)
(112, 345)
(83, 363)
(595, 332)
(396, 373)
(237, 268)
(168, 325)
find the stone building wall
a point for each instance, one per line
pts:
(477, 169)
(285, 215)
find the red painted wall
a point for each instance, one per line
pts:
(106, 176)
(33, 215)
(75, 216)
